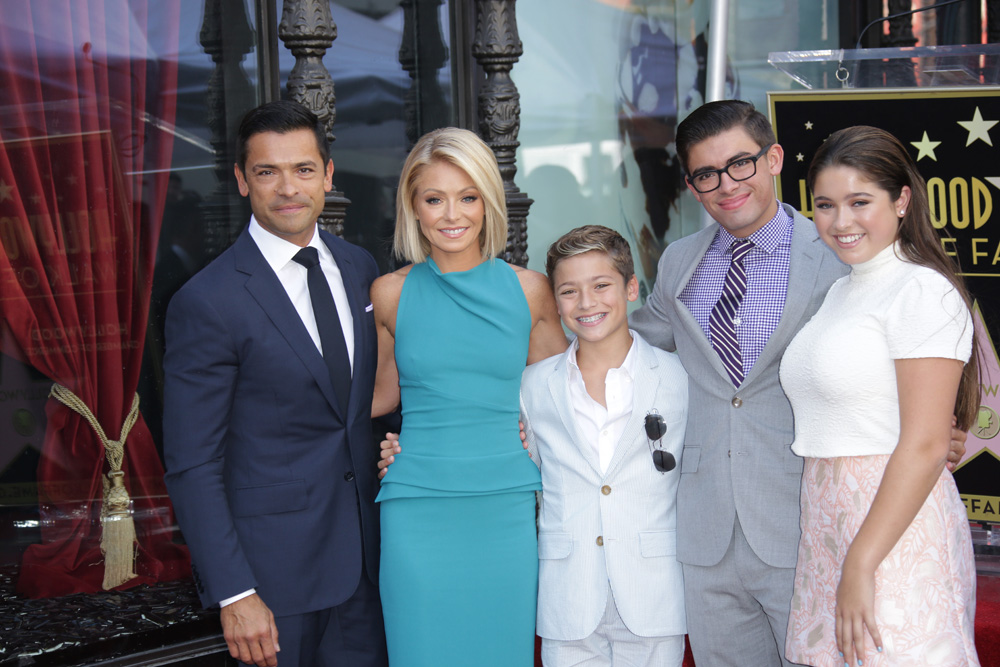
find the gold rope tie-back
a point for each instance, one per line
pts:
(117, 527)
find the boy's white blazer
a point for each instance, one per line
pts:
(619, 526)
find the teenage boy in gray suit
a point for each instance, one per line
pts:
(729, 310)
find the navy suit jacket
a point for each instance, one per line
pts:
(272, 482)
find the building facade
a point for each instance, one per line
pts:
(117, 124)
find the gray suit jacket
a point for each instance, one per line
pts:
(737, 453)
(631, 506)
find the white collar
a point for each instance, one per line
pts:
(628, 364)
(277, 251)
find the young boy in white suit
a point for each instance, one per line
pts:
(605, 422)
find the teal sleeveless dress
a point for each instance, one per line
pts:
(459, 569)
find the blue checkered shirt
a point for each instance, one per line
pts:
(767, 284)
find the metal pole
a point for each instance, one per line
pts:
(718, 37)
(715, 79)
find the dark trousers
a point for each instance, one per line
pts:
(351, 634)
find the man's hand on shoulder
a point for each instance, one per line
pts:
(249, 629)
(956, 448)
(387, 454)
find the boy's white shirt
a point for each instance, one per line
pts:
(596, 424)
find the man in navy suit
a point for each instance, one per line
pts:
(267, 431)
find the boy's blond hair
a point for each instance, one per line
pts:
(591, 238)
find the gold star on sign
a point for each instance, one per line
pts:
(978, 128)
(5, 191)
(809, 125)
(800, 157)
(925, 147)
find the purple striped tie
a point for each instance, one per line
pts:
(721, 322)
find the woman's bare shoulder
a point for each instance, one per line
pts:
(387, 288)
(534, 284)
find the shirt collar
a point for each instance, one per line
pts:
(767, 238)
(628, 365)
(277, 251)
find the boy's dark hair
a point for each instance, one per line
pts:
(715, 118)
(281, 116)
(588, 238)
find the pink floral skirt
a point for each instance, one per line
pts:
(925, 589)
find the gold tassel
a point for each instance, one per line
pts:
(118, 541)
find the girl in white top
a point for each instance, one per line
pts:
(885, 572)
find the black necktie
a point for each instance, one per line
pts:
(331, 335)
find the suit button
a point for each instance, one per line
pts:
(605, 489)
(348, 476)
(737, 401)
(600, 541)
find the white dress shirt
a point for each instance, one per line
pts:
(279, 253)
(602, 427)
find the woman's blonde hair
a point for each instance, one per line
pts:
(466, 151)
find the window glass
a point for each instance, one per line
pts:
(602, 90)
(114, 188)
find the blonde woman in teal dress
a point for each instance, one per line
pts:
(459, 568)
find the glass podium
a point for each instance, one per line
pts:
(917, 66)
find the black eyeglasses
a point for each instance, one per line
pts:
(656, 428)
(739, 169)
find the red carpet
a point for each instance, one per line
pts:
(987, 624)
(988, 619)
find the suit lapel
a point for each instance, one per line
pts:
(687, 320)
(559, 388)
(644, 388)
(265, 288)
(806, 258)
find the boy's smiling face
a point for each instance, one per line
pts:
(592, 296)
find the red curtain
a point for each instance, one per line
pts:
(84, 149)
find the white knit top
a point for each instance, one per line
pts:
(838, 372)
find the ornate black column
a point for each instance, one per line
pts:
(230, 94)
(899, 72)
(993, 21)
(497, 48)
(308, 30)
(900, 29)
(422, 54)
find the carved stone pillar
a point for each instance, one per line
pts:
(497, 48)
(308, 30)
(421, 54)
(230, 94)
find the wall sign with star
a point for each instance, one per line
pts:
(953, 135)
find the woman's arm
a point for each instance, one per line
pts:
(547, 337)
(385, 293)
(927, 390)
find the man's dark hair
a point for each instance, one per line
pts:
(715, 118)
(281, 116)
